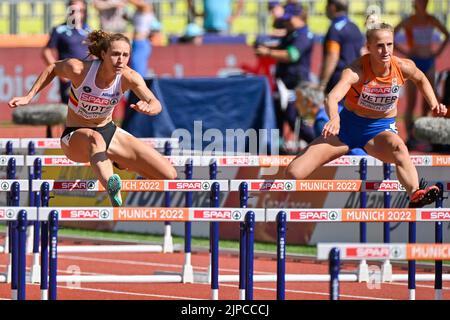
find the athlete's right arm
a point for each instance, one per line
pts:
(68, 68)
(350, 76)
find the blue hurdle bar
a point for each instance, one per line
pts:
(363, 200)
(14, 200)
(243, 201)
(53, 262)
(45, 198)
(281, 255)
(334, 266)
(387, 203)
(439, 240)
(188, 202)
(250, 223)
(215, 189)
(22, 255)
(167, 195)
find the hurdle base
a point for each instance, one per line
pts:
(188, 274)
(363, 271)
(168, 240)
(35, 274)
(386, 271)
(44, 294)
(8, 273)
(30, 240)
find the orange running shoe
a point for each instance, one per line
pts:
(424, 195)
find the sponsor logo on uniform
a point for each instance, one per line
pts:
(87, 89)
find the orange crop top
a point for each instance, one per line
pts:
(374, 96)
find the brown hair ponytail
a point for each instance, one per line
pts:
(99, 40)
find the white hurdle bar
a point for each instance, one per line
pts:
(54, 143)
(251, 161)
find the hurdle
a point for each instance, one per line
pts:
(53, 215)
(335, 252)
(356, 215)
(35, 172)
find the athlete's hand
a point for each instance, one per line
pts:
(142, 106)
(332, 127)
(19, 101)
(439, 110)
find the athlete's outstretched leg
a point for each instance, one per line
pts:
(318, 153)
(132, 154)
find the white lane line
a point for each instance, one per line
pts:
(309, 292)
(126, 293)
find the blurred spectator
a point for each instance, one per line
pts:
(141, 46)
(218, 15)
(293, 56)
(156, 36)
(342, 44)
(112, 15)
(67, 41)
(276, 10)
(193, 35)
(265, 65)
(419, 29)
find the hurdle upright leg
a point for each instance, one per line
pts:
(363, 269)
(438, 240)
(188, 271)
(281, 255)
(214, 229)
(243, 198)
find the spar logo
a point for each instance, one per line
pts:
(371, 252)
(185, 185)
(421, 160)
(52, 143)
(314, 215)
(345, 161)
(238, 161)
(435, 215)
(386, 186)
(272, 185)
(4, 186)
(58, 161)
(396, 252)
(206, 186)
(75, 185)
(8, 214)
(217, 214)
(85, 214)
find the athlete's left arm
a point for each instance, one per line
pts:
(444, 31)
(148, 103)
(411, 72)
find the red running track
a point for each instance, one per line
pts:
(149, 263)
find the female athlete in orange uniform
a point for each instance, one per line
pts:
(419, 30)
(371, 86)
(90, 134)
